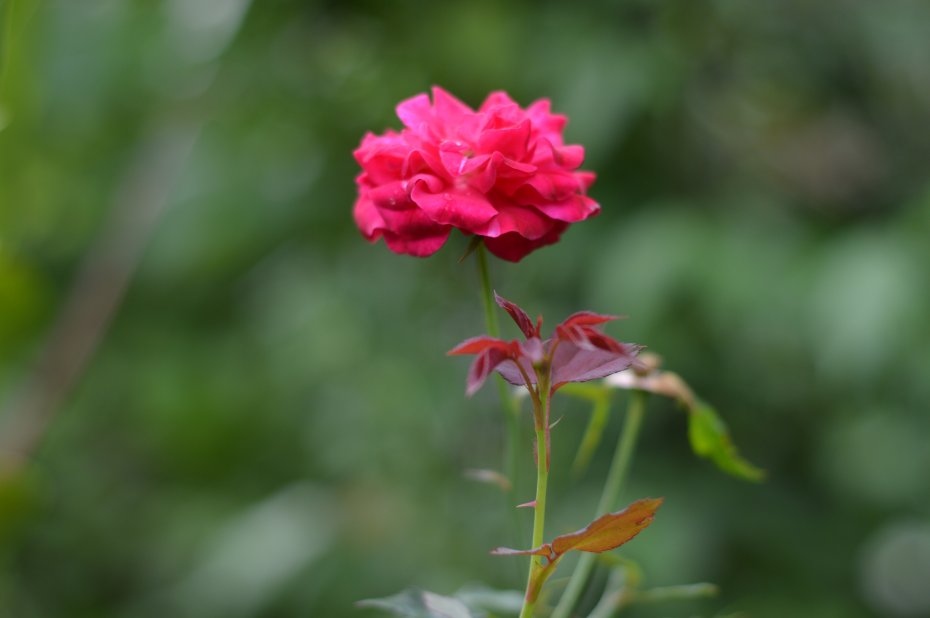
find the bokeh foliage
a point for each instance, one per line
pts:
(269, 426)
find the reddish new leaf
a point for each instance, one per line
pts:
(510, 372)
(587, 318)
(609, 531)
(519, 316)
(588, 338)
(578, 352)
(477, 345)
(533, 349)
(573, 363)
(484, 364)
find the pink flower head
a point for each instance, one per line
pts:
(501, 172)
(577, 352)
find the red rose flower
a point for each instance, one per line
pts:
(501, 173)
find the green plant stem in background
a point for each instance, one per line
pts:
(616, 478)
(511, 407)
(592, 433)
(539, 518)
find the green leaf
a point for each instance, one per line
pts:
(710, 439)
(415, 603)
(498, 602)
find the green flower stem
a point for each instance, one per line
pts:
(490, 315)
(511, 407)
(616, 478)
(537, 573)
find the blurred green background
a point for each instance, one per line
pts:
(268, 425)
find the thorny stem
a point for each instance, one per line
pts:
(538, 563)
(616, 478)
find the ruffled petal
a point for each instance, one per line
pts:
(513, 247)
(390, 196)
(448, 109)
(509, 141)
(415, 112)
(430, 240)
(514, 219)
(576, 208)
(462, 207)
(367, 218)
(407, 229)
(555, 187)
(497, 98)
(459, 159)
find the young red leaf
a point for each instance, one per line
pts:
(611, 530)
(573, 363)
(519, 316)
(533, 349)
(587, 318)
(510, 372)
(543, 550)
(479, 371)
(588, 338)
(477, 345)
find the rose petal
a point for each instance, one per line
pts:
(497, 98)
(553, 187)
(390, 196)
(569, 157)
(426, 243)
(575, 208)
(458, 158)
(514, 247)
(509, 141)
(523, 220)
(415, 112)
(547, 123)
(367, 218)
(449, 109)
(585, 179)
(462, 207)
(408, 230)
